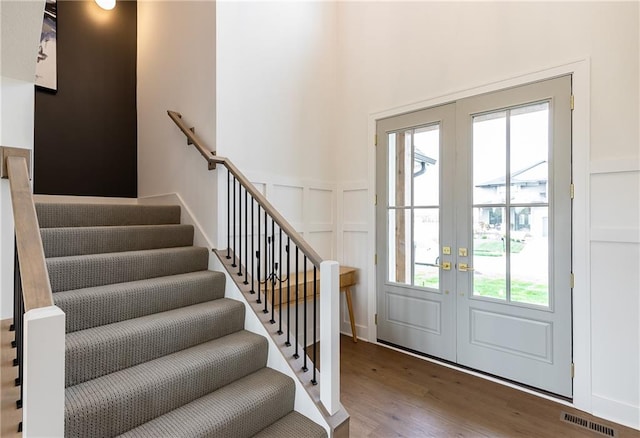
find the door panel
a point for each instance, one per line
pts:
(415, 304)
(474, 233)
(512, 205)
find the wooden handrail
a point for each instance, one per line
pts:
(36, 287)
(193, 139)
(213, 159)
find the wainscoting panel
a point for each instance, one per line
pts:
(615, 201)
(616, 332)
(289, 201)
(321, 206)
(353, 250)
(615, 284)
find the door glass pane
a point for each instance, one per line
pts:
(426, 166)
(399, 249)
(489, 258)
(400, 168)
(427, 247)
(530, 255)
(489, 158)
(529, 153)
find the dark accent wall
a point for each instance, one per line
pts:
(86, 133)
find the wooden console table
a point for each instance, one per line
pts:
(347, 279)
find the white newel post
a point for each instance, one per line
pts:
(43, 375)
(330, 336)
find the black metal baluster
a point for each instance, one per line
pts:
(228, 214)
(267, 275)
(253, 278)
(297, 332)
(234, 223)
(280, 281)
(246, 238)
(274, 269)
(258, 256)
(288, 343)
(315, 300)
(239, 254)
(304, 317)
(18, 320)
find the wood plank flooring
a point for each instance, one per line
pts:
(9, 415)
(391, 394)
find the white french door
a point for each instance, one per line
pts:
(474, 233)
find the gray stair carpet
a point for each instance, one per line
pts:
(69, 241)
(153, 349)
(95, 215)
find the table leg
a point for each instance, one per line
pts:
(347, 292)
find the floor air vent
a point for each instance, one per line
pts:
(588, 424)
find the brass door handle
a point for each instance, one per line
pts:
(445, 266)
(463, 267)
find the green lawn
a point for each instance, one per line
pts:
(521, 291)
(494, 248)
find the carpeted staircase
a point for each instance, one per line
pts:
(153, 349)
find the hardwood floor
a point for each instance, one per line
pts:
(391, 394)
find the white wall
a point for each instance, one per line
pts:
(177, 71)
(20, 27)
(276, 87)
(395, 54)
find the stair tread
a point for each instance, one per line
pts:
(84, 307)
(69, 241)
(82, 214)
(80, 271)
(120, 401)
(105, 349)
(240, 409)
(293, 425)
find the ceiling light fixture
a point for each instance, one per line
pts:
(106, 4)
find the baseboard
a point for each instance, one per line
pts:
(614, 410)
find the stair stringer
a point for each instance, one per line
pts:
(307, 401)
(304, 402)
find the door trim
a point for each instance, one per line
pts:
(582, 394)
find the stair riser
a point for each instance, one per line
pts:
(84, 308)
(95, 215)
(155, 388)
(75, 272)
(62, 242)
(103, 350)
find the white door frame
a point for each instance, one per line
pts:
(581, 249)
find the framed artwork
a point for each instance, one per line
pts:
(46, 66)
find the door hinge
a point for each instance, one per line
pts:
(572, 102)
(572, 190)
(376, 319)
(375, 259)
(572, 281)
(375, 201)
(573, 370)
(375, 140)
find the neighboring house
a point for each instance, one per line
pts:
(291, 92)
(529, 185)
